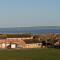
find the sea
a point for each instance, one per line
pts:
(33, 30)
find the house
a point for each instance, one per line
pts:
(14, 41)
(31, 43)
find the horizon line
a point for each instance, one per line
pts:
(28, 26)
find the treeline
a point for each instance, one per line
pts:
(47, 38)
(14, 35)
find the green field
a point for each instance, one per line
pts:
(30, 54)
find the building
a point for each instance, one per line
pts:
(14, 41)
(28, 41)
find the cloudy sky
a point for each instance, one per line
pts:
(22, 13)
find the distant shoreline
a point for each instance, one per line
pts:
(34, 27)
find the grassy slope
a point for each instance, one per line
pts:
(32, 54)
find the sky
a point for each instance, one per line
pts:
(26, 13)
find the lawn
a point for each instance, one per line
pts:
(30, 54)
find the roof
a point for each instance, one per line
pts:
(30, 41)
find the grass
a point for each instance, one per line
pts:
(30, 54)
